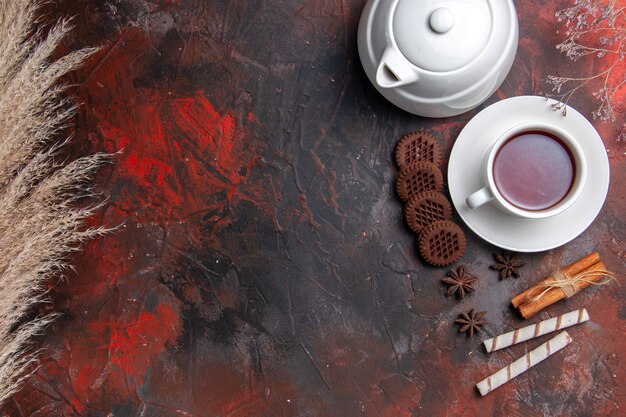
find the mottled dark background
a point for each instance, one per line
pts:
(263, 267)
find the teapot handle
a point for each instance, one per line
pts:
(394, 70)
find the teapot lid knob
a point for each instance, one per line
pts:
(446, 35)
(441, 20)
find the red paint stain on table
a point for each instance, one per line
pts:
(217, 140)
(175, 152)
(132, 346)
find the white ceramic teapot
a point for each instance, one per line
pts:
(437, 58)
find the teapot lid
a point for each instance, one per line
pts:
(442, 35)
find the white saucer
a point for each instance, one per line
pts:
(498, 228)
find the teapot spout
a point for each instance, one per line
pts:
(394, 70)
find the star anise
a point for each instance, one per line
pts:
(507, 265)
(470, 322)
(460, 282)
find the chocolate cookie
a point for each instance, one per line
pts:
(442, 243)
(426, 208)
(418, 177)
(417, 146)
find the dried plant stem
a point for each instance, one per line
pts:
(41, 221)
(604, 94)
(594, 28)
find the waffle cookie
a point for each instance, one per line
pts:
(426, 208)
(417, 146)
(418, 177)
(442, 243)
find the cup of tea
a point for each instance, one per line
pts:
(533, 171)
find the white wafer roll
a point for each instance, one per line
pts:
(524, 363)
(536, 330)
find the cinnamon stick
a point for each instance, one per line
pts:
(529, 309)
(571, 269)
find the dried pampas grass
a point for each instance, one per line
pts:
(41, 221)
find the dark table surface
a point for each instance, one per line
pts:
(263, 267)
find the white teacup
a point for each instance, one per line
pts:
(526, 172)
